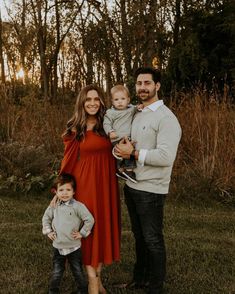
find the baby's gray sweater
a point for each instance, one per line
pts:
(158, 132)
(64, 219)
(119, 121)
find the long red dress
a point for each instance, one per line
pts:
(90, 161)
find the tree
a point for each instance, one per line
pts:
(3, 79)
(62, 15)
(205, 45)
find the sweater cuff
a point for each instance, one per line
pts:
(84, 233)
(46, 230)
(142, 155)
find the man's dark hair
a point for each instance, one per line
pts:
(156, 75)
(65, 179)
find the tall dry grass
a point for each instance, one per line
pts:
(32, 121)
(30, 140)
(206, 159)
(205, 165)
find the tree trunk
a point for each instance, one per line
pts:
(108, 77)
(41, 39)
(44, 72)
(3, 78)
(90, 73)
(124, 41)
(177, 22)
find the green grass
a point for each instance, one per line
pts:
(200, 249)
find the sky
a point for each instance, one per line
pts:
(8, 2)
(2, 8)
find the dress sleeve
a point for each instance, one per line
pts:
(71, 153)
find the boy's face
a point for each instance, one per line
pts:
(65, 192)
(120, 100)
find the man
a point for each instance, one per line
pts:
(156, 133)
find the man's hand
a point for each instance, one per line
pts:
(124, 148)
(76, 235)
(52, 236)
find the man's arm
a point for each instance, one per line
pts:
(166, 146)
(168, 138)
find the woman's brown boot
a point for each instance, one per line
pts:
(93, 286)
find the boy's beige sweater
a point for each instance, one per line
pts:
(159, 133)
(119, 121)
(64, 219)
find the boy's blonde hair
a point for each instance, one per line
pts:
(119, 88)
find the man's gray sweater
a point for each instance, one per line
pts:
(159, 133)
(64, 219)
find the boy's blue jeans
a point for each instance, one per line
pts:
(75, 262)
(146, 215)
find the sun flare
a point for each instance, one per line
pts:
(20, 74)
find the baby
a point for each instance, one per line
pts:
(117, 124)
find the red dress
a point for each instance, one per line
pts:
(90, 161)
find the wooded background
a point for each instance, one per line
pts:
(62, 45)
(49, 49)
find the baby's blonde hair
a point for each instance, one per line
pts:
(119, 88)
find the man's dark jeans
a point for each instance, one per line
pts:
(75, 262)
(146, 215)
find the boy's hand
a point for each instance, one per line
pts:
(140, 106)
(112, 135)
(76, 235)
(52, 236)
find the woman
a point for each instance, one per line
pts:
(88, 158)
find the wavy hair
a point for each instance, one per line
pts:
(78, 121)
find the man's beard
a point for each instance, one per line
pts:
(147, 97)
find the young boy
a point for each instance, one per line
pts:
(117, 124)
(65, 224)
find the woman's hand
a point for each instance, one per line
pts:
(54, 201)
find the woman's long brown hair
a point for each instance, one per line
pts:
(78, 121)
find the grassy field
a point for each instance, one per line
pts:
(200, 245)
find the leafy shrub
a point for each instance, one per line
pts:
(26, 168)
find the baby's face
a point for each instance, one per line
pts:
(65, 192)
(120, 100)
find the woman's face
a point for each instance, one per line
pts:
(92, 103)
